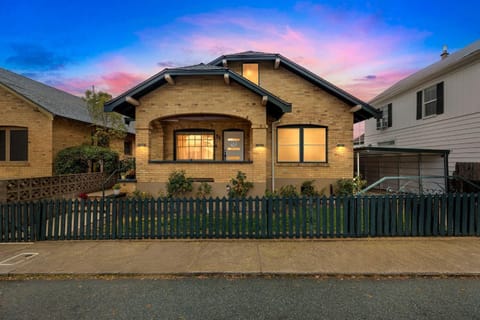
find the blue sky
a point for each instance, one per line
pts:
(361, 46)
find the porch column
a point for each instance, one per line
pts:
(259, 156)
(142, 151)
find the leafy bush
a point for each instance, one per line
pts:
(78, 159)
(308, 189)
(178, 184)
(345, 187)
(137, 194)
(127, 167)
(239, 186)
(288, 190)
(204, 189)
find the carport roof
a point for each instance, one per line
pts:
(393, 150)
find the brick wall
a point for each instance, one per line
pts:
(314, 106)
(18, 112)
(194, 96)
(69, 133)
(198, 95)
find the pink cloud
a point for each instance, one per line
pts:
(368, 87)
(113, 83)
(118, 82)
(339, 45)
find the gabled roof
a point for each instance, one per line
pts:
(457, 59)
(365, 112)
(120, 104)
(57, 102)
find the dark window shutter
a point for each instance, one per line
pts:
(440, 99)
(18, 145)
(389, 115)
(419, 105)
(2, 145)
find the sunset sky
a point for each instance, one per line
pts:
(361, 46)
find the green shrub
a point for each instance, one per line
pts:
(178, 184)
(138, 194)
(270, 194)
(288, 190)
(346, 187)
(77, 160)
(308, 189)
(127, 167)
(204, 189)
(239, 186)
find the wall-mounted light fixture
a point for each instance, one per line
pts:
(260, 145)
(340, 145)
(141, 145)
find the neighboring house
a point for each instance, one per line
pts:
(37, 122)
(217, 119)
(437, 107)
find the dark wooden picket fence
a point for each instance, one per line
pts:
(318, 217)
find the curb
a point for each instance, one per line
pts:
(233, 275)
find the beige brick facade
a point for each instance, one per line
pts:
(47, 135)
(17, 112)
(160, 115)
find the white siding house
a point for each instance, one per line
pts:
(437, 107)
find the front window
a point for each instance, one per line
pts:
(250, 71)
(13, 144)
(430, 101)
(194, 145)
(302, 144)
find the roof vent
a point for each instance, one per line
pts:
(444, 52)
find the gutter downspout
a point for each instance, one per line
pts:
(446, 170)
(274, 126)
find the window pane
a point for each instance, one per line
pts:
(195, 146)
(289, 144)
(2, 145)
(127, 147)
(18, 145)
(430, 93)
(314, 145)
(430, 108)
(250, 71)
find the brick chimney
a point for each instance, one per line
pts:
(444, 52)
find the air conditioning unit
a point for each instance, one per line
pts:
(382, 124)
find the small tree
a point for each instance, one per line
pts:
(346, 187)
(83, 159)
(204, 189)
(239, 186)
(107, 124)
(178, 184)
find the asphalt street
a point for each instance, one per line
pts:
(242, 298)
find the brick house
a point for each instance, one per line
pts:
(242, 112)
(37, 122)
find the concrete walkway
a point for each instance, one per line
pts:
(380, 256)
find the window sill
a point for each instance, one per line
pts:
(14, 164)
(429, 117)
(198, 161)
(302, 164)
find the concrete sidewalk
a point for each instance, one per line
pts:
(379, 256)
